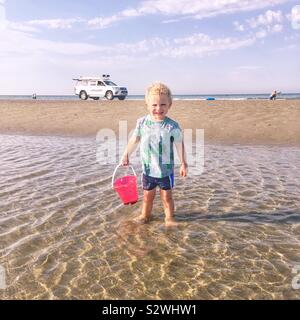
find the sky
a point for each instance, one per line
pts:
(195, 47)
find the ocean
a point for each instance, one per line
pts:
(288, 96)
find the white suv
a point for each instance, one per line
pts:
(96, 87)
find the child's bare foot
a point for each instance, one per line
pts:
(142, 219)
(170, 222)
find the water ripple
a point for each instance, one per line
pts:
(65, 234)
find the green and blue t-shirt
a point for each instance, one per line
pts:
(157, 139)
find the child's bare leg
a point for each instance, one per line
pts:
(168, 202)
(148, 198)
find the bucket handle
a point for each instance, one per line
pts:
(115, 171)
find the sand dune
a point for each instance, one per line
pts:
(243, 122)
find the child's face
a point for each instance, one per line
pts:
(158, 106)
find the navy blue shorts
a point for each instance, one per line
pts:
(165, 183)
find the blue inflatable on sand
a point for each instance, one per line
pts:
(210, 98)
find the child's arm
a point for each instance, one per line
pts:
(182, 156)
(134, 140)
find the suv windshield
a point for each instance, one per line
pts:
(109, 83)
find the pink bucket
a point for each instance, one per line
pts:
(126, 187)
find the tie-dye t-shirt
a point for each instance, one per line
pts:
(157, 139)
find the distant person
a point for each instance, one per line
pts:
(34, 96)
(273, 95)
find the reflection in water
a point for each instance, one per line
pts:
(65, 235)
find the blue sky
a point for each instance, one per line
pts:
(196, 47)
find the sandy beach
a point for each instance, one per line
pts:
(229, 122)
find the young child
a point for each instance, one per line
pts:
(157, 134)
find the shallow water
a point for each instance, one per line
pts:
(65, 235)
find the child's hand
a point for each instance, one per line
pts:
(183, 170)
(125, 161)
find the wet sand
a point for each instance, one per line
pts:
(226, 122)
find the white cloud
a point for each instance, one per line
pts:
(18, 39)
(264, 24)
(130, 13)
(204, 8)
(176, 8)
(19, 26)
(268, 18)
(238, 26)
(199, 45)
(261, 34)
(31, 26)
(62, 61)
(170, 21)
(16, 42)
(51, 23)
(277, 28)
(54, 23)
(294, 17)
(193, 8)
(21, 49)
(196, 45)
(103, 22)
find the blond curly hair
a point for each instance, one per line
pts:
(158, 88)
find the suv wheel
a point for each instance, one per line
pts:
(83, 95)
(109, 95)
